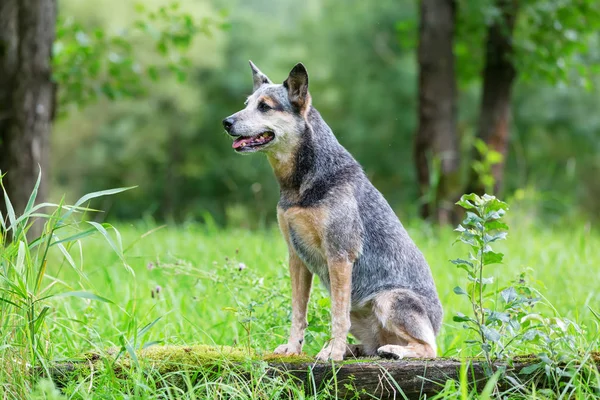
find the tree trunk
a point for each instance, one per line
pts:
(436, 143)
(27, 29)
(498, 78)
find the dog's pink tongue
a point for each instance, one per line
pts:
(238, 143)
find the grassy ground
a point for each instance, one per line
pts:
(196, 284)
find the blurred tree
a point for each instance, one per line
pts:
(436, 142)
(541, 40)
(26, 95)
(87, 65)
(499, 74)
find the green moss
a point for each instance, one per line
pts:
(288, 359)
(192, 355)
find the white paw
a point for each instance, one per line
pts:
(288, 348)
(391, 351)
(333, 352)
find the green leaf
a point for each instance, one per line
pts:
(493, 204)
(460, 228)
(472, 219)
(491, 257)
(466, 204)
(498, 316)
(509, 295)
(490, 334)
(496, 225)
(530, 369)
(487, 238)
(84, 295)
(472, 197)
(463, 264)
(460, 291)
(460, 317)
(494, 215)
(487, 281)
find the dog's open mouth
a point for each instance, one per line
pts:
(244, 143)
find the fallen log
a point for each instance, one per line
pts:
(369, 378)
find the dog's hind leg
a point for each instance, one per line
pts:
(354, 351)
(364, 326)
(406, 330)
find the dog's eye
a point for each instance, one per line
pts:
(264, 107)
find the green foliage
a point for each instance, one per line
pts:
(556, 39)
(503, 317)
(88, 63)
(481, 227)
(25, 286)
(188, 280)
(483, 165)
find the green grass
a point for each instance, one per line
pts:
(196, 284)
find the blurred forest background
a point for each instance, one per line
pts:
(141, 92)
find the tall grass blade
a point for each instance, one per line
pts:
(75, 237)
(3, 300)
(94, 195)
(32, 212)
(40, 319)
(84, 295)
(146, 328)
(40, 275)
(67, 256)
(20, 265)
(104, 232)
(595, 313)
(10, 211)
(34, 193)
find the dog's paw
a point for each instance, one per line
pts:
(332, 352)
(391, 352)
(288, 349)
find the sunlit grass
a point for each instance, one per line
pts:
(198, 284)
(190, 276)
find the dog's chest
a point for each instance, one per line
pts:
(304, 229)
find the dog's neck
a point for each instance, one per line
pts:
(293, 167)
(316, 153)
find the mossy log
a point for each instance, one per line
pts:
(410, 378)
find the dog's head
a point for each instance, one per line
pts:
(275, 115)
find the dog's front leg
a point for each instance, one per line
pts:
(301, 284)
(340, 278)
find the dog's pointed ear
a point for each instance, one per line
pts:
(258, 77)
(297, 86)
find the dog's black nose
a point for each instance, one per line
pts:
(227, 124)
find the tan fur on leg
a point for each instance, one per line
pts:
(301, 285)
(340, 276)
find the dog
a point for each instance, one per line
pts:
(338, 226)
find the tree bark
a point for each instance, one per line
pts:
(365, 379)
(27, 29)
(436, 142)
(498, 77)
